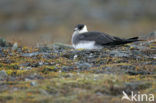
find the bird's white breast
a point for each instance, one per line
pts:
(86, 45)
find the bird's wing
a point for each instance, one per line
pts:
(99, 38)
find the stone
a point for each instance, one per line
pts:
(3, 75)
(117, 53)
(83, 66)
(33, 83)
(150, 37)
(67, 69)
(30, 54)
(61, 46)
(141, 72)
(15, 46)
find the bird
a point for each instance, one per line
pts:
(84, 39)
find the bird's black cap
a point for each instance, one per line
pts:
(80, 26)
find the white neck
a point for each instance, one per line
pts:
(77, 32)
(83, 30)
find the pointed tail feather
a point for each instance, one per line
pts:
(130, 40)
(123, 41)
(133, 39)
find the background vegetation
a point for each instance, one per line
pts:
(46, 21)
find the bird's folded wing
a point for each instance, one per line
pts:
(99, 38)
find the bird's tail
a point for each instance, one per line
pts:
(130, 40)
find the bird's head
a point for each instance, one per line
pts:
(80, 28)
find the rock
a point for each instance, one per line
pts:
(2, 54)
(83, 54)
(83, 66)
(63, 46)
(67, 69)
(141, 72)
(26, 68)
(44, 49)
(33, 83)
(3, 75)
(117, 53)
(30, 54)
(75, 56)
(34, 76)
(138, 47)
(49, 55)
(2, 42)
(150, 37)
(70, 55)
(127, 67)
(47, 70)
(59, 47)
(15, 46)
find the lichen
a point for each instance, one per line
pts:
(94, 76)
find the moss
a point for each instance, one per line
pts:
(15, 72)
(104, 81)
(48, 69)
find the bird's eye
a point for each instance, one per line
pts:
(80, 26)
